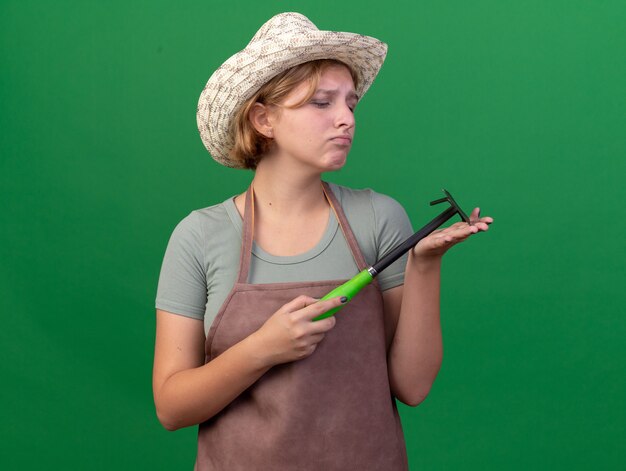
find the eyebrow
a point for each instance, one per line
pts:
(335, 92)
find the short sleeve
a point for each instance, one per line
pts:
(182, 287)
(392, 228)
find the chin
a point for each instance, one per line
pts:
(335, 163)
(332, 168)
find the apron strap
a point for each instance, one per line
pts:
(247, 236)
(248, 232)
(345, 227)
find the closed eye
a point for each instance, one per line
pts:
(320, 104)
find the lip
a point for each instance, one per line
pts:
(343, 140)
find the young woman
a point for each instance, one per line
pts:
(237, 350)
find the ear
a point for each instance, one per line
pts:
(260, 118)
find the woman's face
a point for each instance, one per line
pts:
(317, 134)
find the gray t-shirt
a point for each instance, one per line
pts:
(202, 258)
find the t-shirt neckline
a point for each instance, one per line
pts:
(257, 251)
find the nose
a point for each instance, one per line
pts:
(345, 116)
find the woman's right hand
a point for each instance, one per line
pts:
(290, 333)
(188, 391)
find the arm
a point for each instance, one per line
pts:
(414, 332)
(188, 392)
(412, 321)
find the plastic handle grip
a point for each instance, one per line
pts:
(349, 289)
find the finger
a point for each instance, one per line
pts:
(458, 235)
(456, 225)
(483, 223)
(448, 230)
(459, 232)
(298, 303)
(475, 215)
(462, 231)
(310, 350)
(320, 307)
(322, 326)
(455, 238)
(316, 338)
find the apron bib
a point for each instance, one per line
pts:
(330, 411)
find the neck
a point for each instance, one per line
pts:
(286, 190)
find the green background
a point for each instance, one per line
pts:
(516, 106)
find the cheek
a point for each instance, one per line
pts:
(305, 133)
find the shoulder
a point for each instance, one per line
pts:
(205, 231)
(204, 220)
(366, 200)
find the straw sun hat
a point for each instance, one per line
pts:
(286, 40)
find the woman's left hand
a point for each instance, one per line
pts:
(438, 242)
